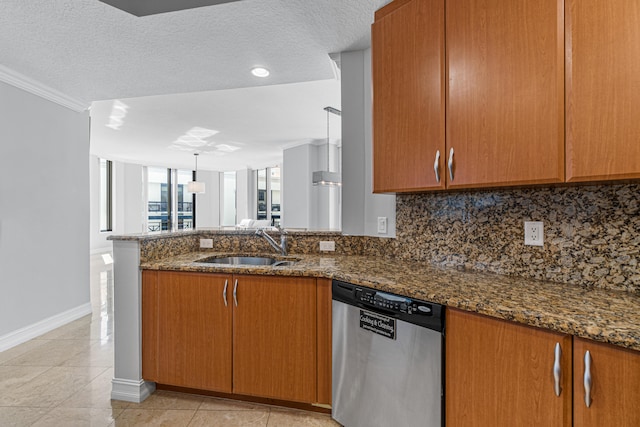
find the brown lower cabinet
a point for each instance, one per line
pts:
(501, 373)
(259, 338)
(614, 397)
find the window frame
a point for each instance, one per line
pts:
(108, 199)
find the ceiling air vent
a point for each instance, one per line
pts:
(152, 7)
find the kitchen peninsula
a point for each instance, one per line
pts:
(603, 315)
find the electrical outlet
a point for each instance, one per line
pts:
(206, 243)
(534, 233)
(382, 225)
(328, 246)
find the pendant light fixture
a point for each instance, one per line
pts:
(195, 186)
(326, 177)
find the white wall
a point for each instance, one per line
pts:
(375, 205)
(128, 203)
(245, 195)
(360, 207)
(305, 205)
(296, 186)
(208, 203)
(98, 239)
(44, 209)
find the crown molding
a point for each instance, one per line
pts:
(23, 82)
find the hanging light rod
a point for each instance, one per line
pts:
(195, 186)
(326, 177)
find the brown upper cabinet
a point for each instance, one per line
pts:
(603, 90)
(408, 71)
(504, 90)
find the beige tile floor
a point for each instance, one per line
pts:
(63, 378)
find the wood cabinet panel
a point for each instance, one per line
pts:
(194, 330)
(615, 385)
(505, 94)
(324, 340)
(408, 95)
(499, 373)
(274, 338)
(150, 325)
(603, 89)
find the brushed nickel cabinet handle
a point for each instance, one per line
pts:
(436, 167)
(235, 292)
(557, 369)
(587, 379)
(450, 164)
(224, 292)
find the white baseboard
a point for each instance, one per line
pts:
(131, 390)
(21, 335)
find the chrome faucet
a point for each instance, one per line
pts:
(282, 247)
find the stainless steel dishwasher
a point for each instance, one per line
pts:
(387, 359)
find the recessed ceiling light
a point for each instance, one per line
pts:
(260, 72)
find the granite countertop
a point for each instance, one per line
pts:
(602, 315)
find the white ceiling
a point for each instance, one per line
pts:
(253, 126)
(91, 51)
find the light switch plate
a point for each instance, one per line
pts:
(206, 243)
(382, 225)
(328, 246)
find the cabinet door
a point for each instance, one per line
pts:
(407, 42)
(615, 385)
(603, 89)
(194, 331)
(505, 110)
(274, 338)
(499, 373)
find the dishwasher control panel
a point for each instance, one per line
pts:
(393, 303)
(423, 313)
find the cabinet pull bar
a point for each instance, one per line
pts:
(436, 165)
(557, 369)
(587, 378)
(235, 293)
(224, 292)
(450, 164)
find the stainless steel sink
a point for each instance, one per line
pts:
(283, 263)
(240, 260)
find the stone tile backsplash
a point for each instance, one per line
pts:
(591, 233)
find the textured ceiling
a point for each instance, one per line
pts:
(91, 51)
